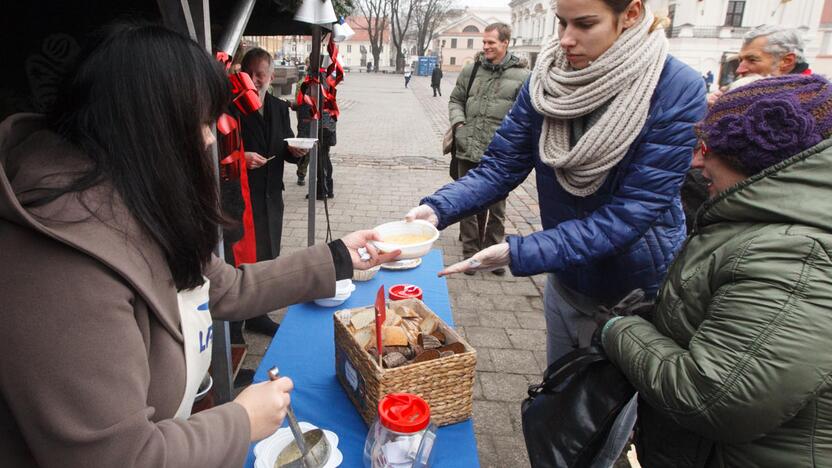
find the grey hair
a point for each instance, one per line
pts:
(781, 41)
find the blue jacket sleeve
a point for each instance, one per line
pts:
(647, 189)
(505, 165)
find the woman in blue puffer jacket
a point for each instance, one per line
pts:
(606, 122)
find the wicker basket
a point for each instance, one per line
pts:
(365, 275)
(447, 384)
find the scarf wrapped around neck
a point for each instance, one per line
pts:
(624, 76)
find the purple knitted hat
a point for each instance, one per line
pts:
(768, 121)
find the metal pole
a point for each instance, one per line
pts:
(222, 370)
(234, 31)
(314, 132)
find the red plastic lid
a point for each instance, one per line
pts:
(405, 291)
(403, 412)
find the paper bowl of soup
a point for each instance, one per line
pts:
(414, 238)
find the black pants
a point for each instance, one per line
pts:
(325, 183)
(436, 90)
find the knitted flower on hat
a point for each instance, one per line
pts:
(768, 121)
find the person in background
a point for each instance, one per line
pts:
(770, 50)
(109, 212)
(497, 76)
(263, 134)
(606, 122)
(329, 137)
(408, 73)
(732, 367)
(709, 80)
(436, 80)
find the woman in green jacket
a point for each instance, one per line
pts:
(735, 367)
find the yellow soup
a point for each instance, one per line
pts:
(407, 239)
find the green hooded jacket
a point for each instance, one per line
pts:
(492, 94)
(736, 367)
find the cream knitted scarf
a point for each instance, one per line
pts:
(625, 76)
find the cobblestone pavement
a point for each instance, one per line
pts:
(387, 157)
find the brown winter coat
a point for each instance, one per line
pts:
(92, 366)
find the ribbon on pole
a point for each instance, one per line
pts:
(233, 167)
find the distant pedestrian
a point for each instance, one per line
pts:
(408, 72)
(709, 80)
(436, 80)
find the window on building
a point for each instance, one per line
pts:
(470, 43)
(733, 17)
(453, 43)
(671, 13)
(471, 28)
(349, 48)
(453, 60)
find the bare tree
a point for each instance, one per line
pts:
(428, 15)
(375, 21)
(401, 16)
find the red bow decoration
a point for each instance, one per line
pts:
(232, 156)
(224, 59)
(333, 75)
(305, 98)
(245, 93)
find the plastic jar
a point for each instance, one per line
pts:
(402, 436)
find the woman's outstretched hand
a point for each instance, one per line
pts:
(422, 212)
(496, 256)
(369, 256)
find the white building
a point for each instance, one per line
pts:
(705, 34)
(533, 24)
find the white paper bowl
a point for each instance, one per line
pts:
(343, 291)
(417, 227)
(365, 275)
(303, 143)
(267, 450)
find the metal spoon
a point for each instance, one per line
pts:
(309, 449)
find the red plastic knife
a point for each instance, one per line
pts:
(381, 316)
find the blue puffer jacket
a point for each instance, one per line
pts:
(620, 238)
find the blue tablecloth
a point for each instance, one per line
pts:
(304, 349)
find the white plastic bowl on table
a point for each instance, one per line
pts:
(343, 291)
(418, 227)
(303, 143)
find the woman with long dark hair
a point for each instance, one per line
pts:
(109, 212)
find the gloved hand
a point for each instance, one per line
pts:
(422, 212)
(589, 330)
(496, 256)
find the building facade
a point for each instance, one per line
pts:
(705, 34)
(533, 25)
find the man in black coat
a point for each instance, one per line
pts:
(436, 80)
(263, 135)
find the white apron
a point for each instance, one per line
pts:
(195, 319)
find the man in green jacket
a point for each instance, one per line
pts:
(475, 116)
(733, 369)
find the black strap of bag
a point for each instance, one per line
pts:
(454, 170)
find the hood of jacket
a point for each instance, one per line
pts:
(95, 221)
(794, 191)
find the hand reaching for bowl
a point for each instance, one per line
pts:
(424, 212)
(361, 239)
(496, 256)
